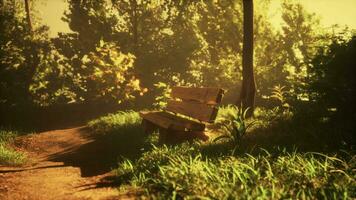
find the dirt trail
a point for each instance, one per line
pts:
(65, 164)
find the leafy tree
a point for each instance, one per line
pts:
(218, 35)
(104, 75)
(21, 51)
(196, 43)
(282, 56)
(332, 77)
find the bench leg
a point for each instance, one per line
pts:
(163, 135)
(148, 127)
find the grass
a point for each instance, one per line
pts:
(8, 155)
(183, 172)
(116, 122)
(209, 171)
(122, 130)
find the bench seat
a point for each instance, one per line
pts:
(171, 121)
(187, 112)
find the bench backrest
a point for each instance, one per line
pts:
(198, 103)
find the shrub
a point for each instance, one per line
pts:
(233, 121)
(332, 78)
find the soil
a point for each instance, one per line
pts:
(65, 164)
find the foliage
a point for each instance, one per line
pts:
(279, 93)
(104, 74)
(164, 95)
(285, 61)
(123, 132)
(62, 70)
(196, 43)
(7, 136)
(149, 163)
(115, 122)
(21, 51)
(9, 156)
(331, 81)
(181, 172)
(197, 170)
(233, 120)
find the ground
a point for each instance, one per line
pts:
(65, 164)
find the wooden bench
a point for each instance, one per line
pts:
(185, 115)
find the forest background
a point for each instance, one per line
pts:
(127, 54)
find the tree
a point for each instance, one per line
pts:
(22, 53)
(28, 17)
(248, 87)
(331, 81)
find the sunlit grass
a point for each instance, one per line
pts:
(8, 155)
(123, 131)
(182, 172)
(208, 171)
(112, 122)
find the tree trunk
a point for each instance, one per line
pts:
(27, 8)
(33, 59)
(134, 15)
(248, 87)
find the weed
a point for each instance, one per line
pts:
(279, 93)
(234, 123)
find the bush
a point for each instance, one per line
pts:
(332, 81)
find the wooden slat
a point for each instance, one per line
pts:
(172, 122)
(203, 95)
(195, 110)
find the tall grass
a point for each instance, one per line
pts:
(8, 155)
(208, 171)
(115, 122)
(182, 172)
(123, 132)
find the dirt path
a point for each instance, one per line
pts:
(65, 164)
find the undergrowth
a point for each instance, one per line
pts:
(199, 170)
(183, 172)
(115, 122)
(8, 155)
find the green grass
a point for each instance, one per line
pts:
(208, 171)
(183, 172)
(116, 122)
(123, 132)
(9, 156)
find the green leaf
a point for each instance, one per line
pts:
(101, 43)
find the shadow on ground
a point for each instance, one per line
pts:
(102, 153)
